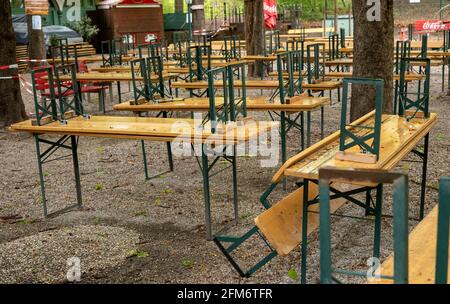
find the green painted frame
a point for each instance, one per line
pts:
(355, 140)
(400, 210)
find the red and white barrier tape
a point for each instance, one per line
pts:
(27, 86)
(8, 67)
(8, 77)
(32, 60)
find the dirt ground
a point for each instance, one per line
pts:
(135, 231)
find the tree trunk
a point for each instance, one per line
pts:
(372, 55)
(198, 16)
(36, 43)
(179, 6)
(254, 33)
(11, 104)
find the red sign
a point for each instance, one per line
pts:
(432, 25)
(270, 13)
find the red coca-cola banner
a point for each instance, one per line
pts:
(270, 13)
(432, 25)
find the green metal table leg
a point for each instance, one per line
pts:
(304, 232)
(302, 122)
(283, 136)
(377, 228)
(119, 92)
(322, 122)
(41, 175)
(169, 148)
(423, 187)
(144, 156)
(206, 194)
(235, 184)
(401, 230)
(443, 73)
(325, 234)
(443, 231)
(76, 168)
(308, 129)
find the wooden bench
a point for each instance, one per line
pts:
(280, 224)
(422, 253)
(303, 103)
(408, 77)
(249, 84)
(324, 85)
(142, 128)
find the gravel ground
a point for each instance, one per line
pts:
(162, 219)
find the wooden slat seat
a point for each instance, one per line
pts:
(104, 77)
(150, 128)
(344, 61)
(422, 253)
(322, 85)
(304, 103)
(408, 77)
(249, 84)
(281, 223)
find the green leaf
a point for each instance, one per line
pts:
(98, 186)
(187, 264)
(137, 253)
(292, 274)
(167, 191)
(441, 137)
(100, 150)
(26, 222)
(141, 213)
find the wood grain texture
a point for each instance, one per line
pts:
(202, 104)
(422, 253)
(145, 128)
(398, 137)
(281, 223)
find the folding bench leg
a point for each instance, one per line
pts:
(236, 242)
(144, 156)
(424, 176)
(169, 148)
(43, 157)
(322, 122)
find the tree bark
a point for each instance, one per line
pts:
(254, 33)
(198, 16)
(372, 56)
(179, 6)
(36, 43)
(12, 108)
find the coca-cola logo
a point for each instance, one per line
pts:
(272, 9)
(431, 25)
